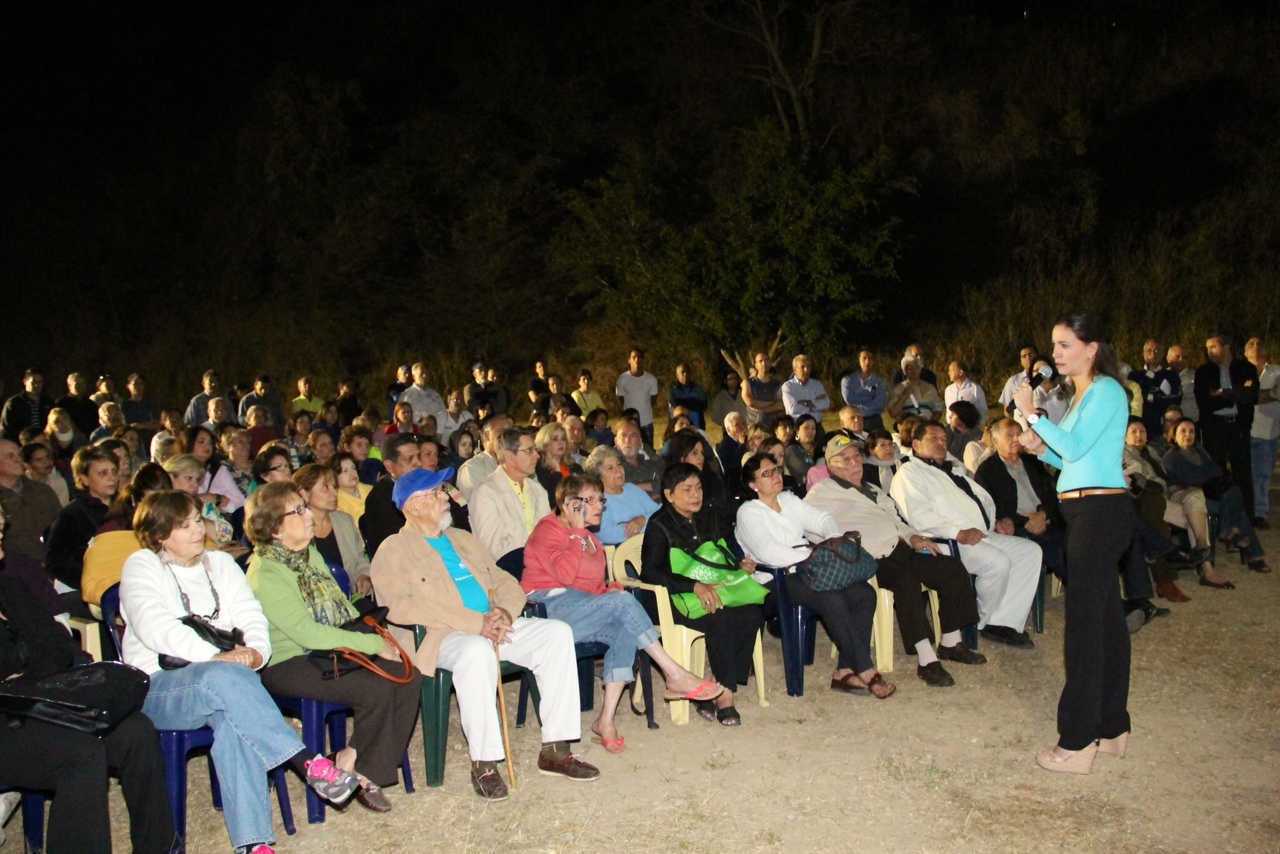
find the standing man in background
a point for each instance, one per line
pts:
(638, 390)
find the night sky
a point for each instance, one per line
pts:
(340, 187)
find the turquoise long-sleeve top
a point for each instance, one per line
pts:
(1088, 444)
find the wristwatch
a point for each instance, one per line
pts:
(1033, 418)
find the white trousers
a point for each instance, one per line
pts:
(544, 647)
(1007, 570)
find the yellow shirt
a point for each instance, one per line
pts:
(352, 506)
(526, 502)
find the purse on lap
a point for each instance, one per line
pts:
(836, 563)
(714, 564)
(340, 661)
(93, 698)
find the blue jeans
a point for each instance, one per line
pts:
(1264, 463)
(613, 618)
(250, 736)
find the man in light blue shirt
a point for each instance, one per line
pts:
(866, 391)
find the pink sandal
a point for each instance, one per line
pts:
(708, 690)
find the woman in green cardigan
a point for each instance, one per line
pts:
(305, 608)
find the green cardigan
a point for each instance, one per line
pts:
(294, 631)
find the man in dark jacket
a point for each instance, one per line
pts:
(29, 408)
(1226, 393)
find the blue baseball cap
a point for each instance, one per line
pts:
(418, 480)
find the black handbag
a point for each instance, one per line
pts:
(836, 563)
(338, 662)
(224, 640)
(93, 698)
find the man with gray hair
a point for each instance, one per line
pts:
(803, 395)
(484, 463)
(730, 450)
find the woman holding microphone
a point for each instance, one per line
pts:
(1088, 446)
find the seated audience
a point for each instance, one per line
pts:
(905, 560)
(1189, 464)
(942, 503)
(37, 463)
(238, 463)
(104, 559)
(643, 465)
(305, 610)
(30, 505)
(70, 764)
(564, 570)
(402, 420)
(446, 580)
(296, 438)
(913, 395)
(351, 492)
(185, 472)
(381, 516)
(775, 529)
(554, 463)
(172, 577)
(1024, 492)
(627, 507)
(598, 427)
(730, 632)
(730, 449)
(729, 399)
(484, 462)
(272, 465)
(64, 440)
(510, 502)
(966, 427)
(96, 471)
(322, 445)
(216, 483)
(803, 452)
(336, 536)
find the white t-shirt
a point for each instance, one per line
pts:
(637, 393)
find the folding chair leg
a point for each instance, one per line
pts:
(1037, 606)
(757, 660)
(935, 608)
(882, 630)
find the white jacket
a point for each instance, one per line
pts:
(497, 516)
(768, 536)
(151, 606)
(934, 505)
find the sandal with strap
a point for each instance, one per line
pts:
(708, 690)
(706, 709)
(728, 716)
(615, 746)
(880, 689)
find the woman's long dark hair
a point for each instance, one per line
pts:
(150, 477)
(1091, 329)
(187, 441)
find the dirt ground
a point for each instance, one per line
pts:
(929, 770)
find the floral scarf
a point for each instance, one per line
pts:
(321, 593)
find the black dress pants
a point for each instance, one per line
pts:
(384, 711)
(1095, 698)
(1228, 443)
(73, 765)
(730, 639)
(847, 615)
(903, 571)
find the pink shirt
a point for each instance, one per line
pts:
(558, 557)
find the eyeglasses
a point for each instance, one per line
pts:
(592, 501)
(526, 450)
(299, 510)
(280, 467)
(773, 472)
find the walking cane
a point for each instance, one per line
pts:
(502, 713)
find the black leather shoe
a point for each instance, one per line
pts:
(1150, 610)
(962, 654)
(1261, 524)
(1008, 636)
(935, 675)
(1180, 558)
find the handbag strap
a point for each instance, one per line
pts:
(364, 661)
(833, 544)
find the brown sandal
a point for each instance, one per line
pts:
(881, 689)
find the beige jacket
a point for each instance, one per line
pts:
(350, 545)
(413, 583)
(497, 516)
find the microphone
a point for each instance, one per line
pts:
(1045, 373)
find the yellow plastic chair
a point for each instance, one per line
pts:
(882, 626)
(685, 646)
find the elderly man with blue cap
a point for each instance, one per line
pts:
(445, 579)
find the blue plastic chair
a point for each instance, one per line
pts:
(177, 745)
(32, 817)
(799, 634)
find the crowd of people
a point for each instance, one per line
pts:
(279, 521)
